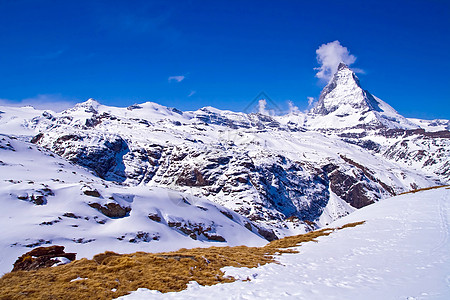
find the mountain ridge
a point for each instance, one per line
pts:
(284, 174)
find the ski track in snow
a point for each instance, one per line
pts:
(401, 252)
(443, 215)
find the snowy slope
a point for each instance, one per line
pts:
(45, 200)
(401, 252)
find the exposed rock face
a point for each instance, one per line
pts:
(112, 210)
(104, 157)
(92, 193)
(356, 184)
(196, 230)
(191, 178)
(267, 234)
(41, 257)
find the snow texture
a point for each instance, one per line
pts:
(401, 252)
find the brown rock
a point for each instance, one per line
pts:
(112, 210)
(41, 257)
(92, 193)
(268, 234)
(154, 217)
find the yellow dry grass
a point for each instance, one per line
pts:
(425, 189)
(109, 275)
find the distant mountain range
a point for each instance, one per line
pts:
(153, 178)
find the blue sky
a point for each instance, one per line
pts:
(190, 54)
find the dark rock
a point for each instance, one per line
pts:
(227, 214)
(154, 217)
(146, 237)
(38, 243)
(369, 175)
(105, 158)
(193, 230)
(36, 199)
(191, 177)
(214, 237)
(50, 222)
(248, 226)
(68, 137)
(134, 106)
(268, 234)
(92, 122)
(112, 210)
(37, 138)
(71, 215)
(41, 257)
(23, 197)
(92, 193)
(83, 241)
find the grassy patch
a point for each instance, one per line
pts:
(109, 275)
(425, 189)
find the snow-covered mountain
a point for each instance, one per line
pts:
(267, 176)
(47, 200)
(343, 103)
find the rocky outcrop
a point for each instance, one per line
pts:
(37, 196)
(196, 230)
(104, 157)
(112, 210)
(355, 183)
(41, 257)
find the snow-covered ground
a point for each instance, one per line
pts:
(401, 252)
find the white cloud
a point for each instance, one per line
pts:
(262, 107)
(310, 101)
(192, 93)
(53, 102)
(329, 56)
(292, 108)
(358, 70)
(178, 78)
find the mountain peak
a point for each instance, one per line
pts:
(90, 106)
(344, 103)
(343, 89)
(90, 102)
(342, 66)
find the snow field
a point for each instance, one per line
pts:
(401, 252)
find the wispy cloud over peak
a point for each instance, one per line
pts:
(329, 56)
